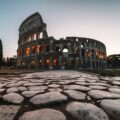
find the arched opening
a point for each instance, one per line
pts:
(58, 49)
(88, 64)
(72, 63)
(93, 65)
(41, 35)
(76, 39)
(77, 50)
(29, 39)
(38, 49)
(83, 53)
(55, 61)
(47, 61)
(32, 37)
(33, 49)
(47, 48)
(27, 51)
(82, 46)
(65, 50)
(35, 36)
(40, 62)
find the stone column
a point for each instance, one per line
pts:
(51, 63)
(90, 56)
(80, 55)
(43, 55)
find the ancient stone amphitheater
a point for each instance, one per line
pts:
(37, 50)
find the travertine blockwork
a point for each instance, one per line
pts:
(36, 49)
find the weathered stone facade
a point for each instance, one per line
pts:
(37, 50)
(114, 61)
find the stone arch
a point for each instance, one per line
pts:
(65, 50)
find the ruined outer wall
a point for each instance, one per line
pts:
(82, 52)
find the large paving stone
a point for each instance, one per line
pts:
(112, 107)
(100, 94)
(43, 114)
(13, 85)
(48, 98)
(77, 95)
(21, 88)
(36, 88)
(116, 82)
(31, 93)
(82, 83)
(2, 90)
(12, 89)
(2, 85)
(115, 78)
(99, 84)
(86, 111)
(13, 98)
(76, 87)
(54, 85)
(32, 84)
(8, 112)
(55, 90)
(97, 87)
(114, 90)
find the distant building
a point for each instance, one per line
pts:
(114, 61)
(37, 50)
(1, 53)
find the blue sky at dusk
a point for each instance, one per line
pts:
(97, 19)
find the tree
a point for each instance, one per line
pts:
(1, 53)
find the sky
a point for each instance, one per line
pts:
(97, 19)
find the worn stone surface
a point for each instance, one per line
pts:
(31, 93)
(100, 94)
(2, 90)
(13, 98)
(86, 111)
(12, 89)
(32, 88)
(98, 87)
(54, 85)
(112, 107)
(77, 95)
(50, 97)
(57, 90)
(114, 90)
(77, 87)
(8, 112)
(43, 114)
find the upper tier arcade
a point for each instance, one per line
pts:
(31, 25)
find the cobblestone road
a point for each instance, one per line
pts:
(59, 95)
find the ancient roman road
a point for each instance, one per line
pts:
(59, 95)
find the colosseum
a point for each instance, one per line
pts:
(37, 50)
